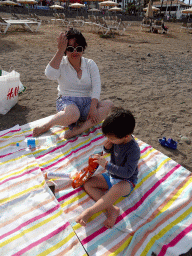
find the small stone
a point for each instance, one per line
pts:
(185, 139)
(148, 54)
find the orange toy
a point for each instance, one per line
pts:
(85, 174)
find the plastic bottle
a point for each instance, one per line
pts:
(41, 142)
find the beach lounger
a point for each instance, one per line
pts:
(24, 23)
(110, 29)
(57, 18)
(154, 220)
(146, 24)
(187, 27)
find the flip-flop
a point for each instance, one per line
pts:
(170, 143)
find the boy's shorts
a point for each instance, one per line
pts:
(82, 103)
(112, 181)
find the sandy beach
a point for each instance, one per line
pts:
(148, 73)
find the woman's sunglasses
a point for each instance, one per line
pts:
(72, 49)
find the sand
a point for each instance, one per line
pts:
(147, 73)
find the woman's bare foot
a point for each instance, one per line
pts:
(71, 133)
(112, 215)
(83, 217)
(39, 130)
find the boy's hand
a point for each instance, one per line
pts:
(100, 160)
(108, 144)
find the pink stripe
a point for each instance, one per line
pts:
(92, 236)
(175, 240)
(10, 131)
(69, 141)
(55, 149)
(69, 194)
(43, 239)
(30, 221)
(15, 177)
(142, 151)
(62, 159)
(1, 156)
(30, 135)
(148, 193)
(138, 204)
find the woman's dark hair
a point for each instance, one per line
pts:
(77, 35)
(119, 123)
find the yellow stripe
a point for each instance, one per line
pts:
(21, 193)
(63, 154)
(72, 200)
(77, 226)
(11, 144)
(58, 245)
(38, 225)
(15, 159)
(148, 153)
(152, 173)
(122, 247)
(172, 200)
(148, 176)
(18, 172)
(122, 198)
(13, 135)
(164, 231)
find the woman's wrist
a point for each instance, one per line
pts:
(106, 164)
(94, 103)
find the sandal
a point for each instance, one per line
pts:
(170, 143)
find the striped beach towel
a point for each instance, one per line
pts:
(32, 221)
(155, 219)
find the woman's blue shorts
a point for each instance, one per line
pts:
(82, 103)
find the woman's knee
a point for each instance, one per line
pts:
(72, 113)
(107, 104)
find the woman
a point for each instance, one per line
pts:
(79, 87)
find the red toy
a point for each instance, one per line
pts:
(81, 177)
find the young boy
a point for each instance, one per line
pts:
(121, 173)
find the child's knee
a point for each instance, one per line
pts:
(87, 185)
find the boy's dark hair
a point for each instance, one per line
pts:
(77, 35)
(119, 123)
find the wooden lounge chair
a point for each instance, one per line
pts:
(24, 23)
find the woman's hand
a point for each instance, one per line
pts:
(93, 112)
(100, 160)
(62, 42)
(93, 115)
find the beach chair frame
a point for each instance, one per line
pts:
(24, 23)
